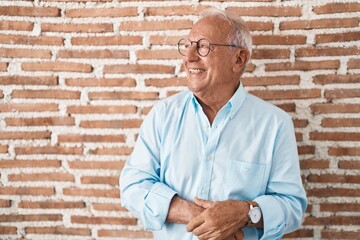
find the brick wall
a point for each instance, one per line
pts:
(77, 78)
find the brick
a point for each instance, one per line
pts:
(40, 121)
(7, 230)
(270, 53)
(303, 65)
(112, 165)
(301, 233)
(266, 11)
(3, 149)
(340, 122)
(171, 11)
(21, 191)
(1, 94)
(49, 150)
(334, 136)
(332, 220)
(300, 123)
(237, 0)
(103, 220)
(106, 53)
(16, 25)
(287, 107)
(337, 37)
(107, 40)
(349, 164)
(51, 94)
(337, 8)
(52, 205)
(155, 25)
(30, 164)
(326, 51)
(314, 164)
(139, 68)
(303, 150)
(31, 218)
(299, 136)
(102, 109)
(118, 124)
(336, 79)
(333, 178)
(108, 180)
(29, 107)
(91, 138)
(24, 135)
(44, 177)
(353, 64)
(319, 23)
(134, 95)
(321, 108)
(164, 40)
(30, 11)
(56, 67)
(342, 93)
(101, 82)
(268, 81)
(108, 207)
(3, 66)
(287, 94)
(58, 230)
(89, 192)
(157, 54)
(332, 192)
(77, 1)
(5, 203)
(332, 234)
(340, 207)
(26, 80)
(259, 26)
(124, 233)
(101, 12)
(112, 151)
(344, 151)
(31, 40)
(278, 39)
(76, 27)
(165, 82)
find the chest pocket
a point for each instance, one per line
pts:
(244, 180)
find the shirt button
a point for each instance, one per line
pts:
(208, 158)
(203, 191)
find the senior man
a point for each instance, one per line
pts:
(214, 162)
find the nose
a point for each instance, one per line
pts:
(192, 55)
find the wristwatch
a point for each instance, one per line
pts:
(254, 215)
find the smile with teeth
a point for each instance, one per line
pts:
(196, 70)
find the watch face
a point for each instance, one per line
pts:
(255, 215)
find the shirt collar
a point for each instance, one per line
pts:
(234, 103)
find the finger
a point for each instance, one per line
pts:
(202, 232)
(202, 203)
(194, 223)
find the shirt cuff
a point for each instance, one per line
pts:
(157, 204)
(273, 217)
(251, 233)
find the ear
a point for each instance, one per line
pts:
(242, 57)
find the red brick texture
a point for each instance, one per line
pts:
(77, 78)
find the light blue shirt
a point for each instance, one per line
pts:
(248, 153)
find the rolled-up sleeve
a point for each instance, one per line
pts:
(284, 204)
(142, 192)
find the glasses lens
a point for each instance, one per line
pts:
(183, 46)
(203, 47)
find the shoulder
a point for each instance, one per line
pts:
(173, 103)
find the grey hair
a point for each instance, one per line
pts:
(240, 35)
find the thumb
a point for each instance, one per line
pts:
(202, 202)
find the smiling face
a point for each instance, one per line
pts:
(214, 74)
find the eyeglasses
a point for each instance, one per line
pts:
(202, 46)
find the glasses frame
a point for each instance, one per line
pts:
(210, 44)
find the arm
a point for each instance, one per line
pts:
(142, 192)
(284, 202)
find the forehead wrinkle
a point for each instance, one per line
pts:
(213, 28)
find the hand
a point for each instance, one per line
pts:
(220, 220)
(182, 211)
(239, 235)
